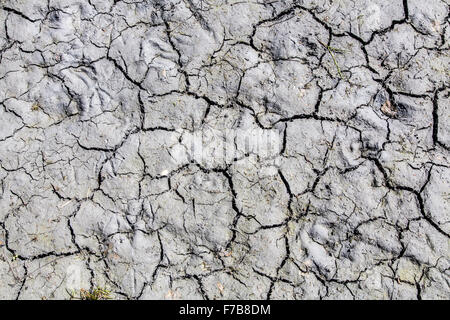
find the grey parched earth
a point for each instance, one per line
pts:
(234, 149)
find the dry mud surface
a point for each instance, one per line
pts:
(225, 149)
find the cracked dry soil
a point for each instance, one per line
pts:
(100, 101)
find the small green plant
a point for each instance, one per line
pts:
(97, 293)
(331, 50)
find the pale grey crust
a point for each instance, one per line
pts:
(97, 96)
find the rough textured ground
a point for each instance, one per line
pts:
(101, 102)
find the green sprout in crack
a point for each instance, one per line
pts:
(335, 50)
(97, 293)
